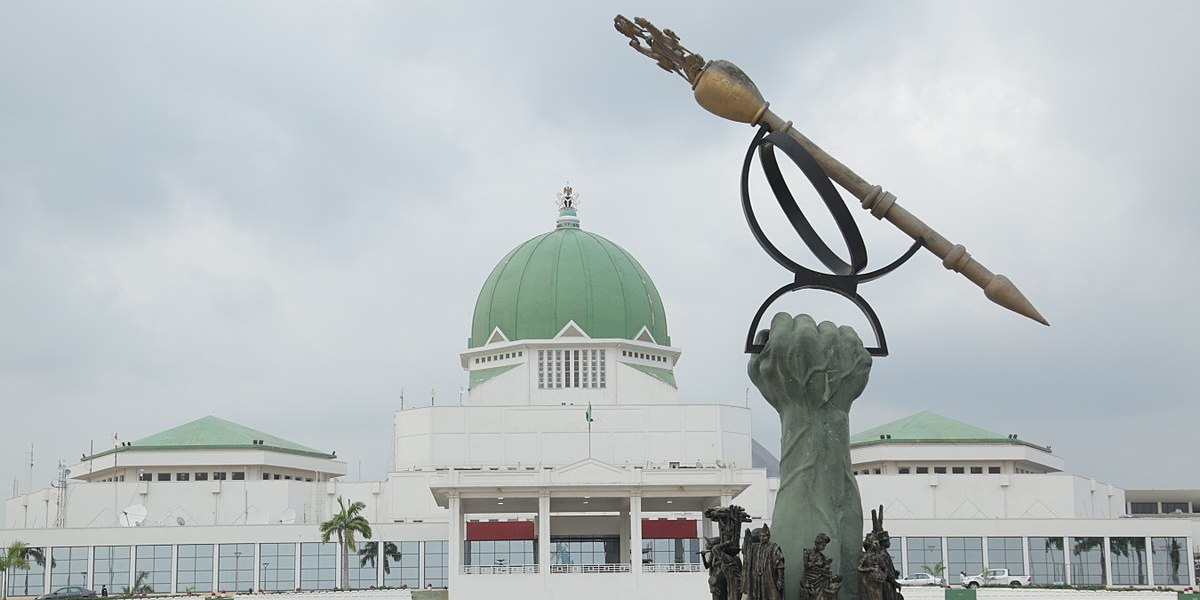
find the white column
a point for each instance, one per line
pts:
(543, 524)
(455, 543)
(1067, 577)
(91, 569)
(635, 535)
(256, 582)
(1025, 556)
(1107, 562)
(1149, 562)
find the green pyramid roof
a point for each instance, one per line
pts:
(928, 427)
(213, 433)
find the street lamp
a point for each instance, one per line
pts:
(237, 565)
(263, 580)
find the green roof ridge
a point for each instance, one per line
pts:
(214, 432)
(664, 375)
(927, 426)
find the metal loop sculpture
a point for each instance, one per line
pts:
(844, 277)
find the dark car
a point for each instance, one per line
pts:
(69, 592)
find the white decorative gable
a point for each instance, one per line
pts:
(571, 330)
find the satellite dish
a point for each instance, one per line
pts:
(180, 522)
(256, 516)
(288, 516)
(133, 515)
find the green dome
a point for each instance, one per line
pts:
(568, 275)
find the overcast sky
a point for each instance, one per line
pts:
(281, 213)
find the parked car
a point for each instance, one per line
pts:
(64, 593)
(996, 577)
(920, 579)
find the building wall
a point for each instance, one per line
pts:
(558, 434)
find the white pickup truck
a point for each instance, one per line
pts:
(995, 577)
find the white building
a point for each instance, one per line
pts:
(574, 470)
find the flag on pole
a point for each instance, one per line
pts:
(588, 415)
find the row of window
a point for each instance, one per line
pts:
(992, 470)
(233, 567)
(579, 550)
(644, 356)
(570, 368)
(1152, 508)
(192, 476)
(500, 356)
(1048, 556)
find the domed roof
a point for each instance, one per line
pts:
(568, 275)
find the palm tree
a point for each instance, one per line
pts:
(346, 523)
(16, 556)
(38, 556)
(139, 586)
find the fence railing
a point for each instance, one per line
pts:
(499, 569)
(673, 568)
(605, 568)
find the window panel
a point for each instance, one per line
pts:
(1128, 559)
(401, 564)
(1046, 560)
(155, 563)
(964, 554)
(194, 566)
(318, 565)
(361, 564)
(235, 567)
(923, 553)
(436, 562)
(1170, 560)
(31, 581)
(1087, 560)
(68, 566)
(1005, 553)
(277, 567)
(111, 566)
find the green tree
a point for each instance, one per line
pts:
(346, 523)
(139, 586)
(16, 556)
(937, 569)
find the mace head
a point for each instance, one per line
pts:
(726, 91)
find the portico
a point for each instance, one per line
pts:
(589, 523)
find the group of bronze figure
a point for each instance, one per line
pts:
(754, 569)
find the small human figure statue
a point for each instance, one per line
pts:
(876, 564)
(762, 570)
(724, 575)
(819, 582)
(871, 570)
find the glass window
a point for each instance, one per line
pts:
(401, 564)
(361, 566)
(278, 567)
(585, 550)
(436, 562)
(1128, 558)
(1046, 560)
(219, 476)
(939, 470)
(111, 566)
(31, 581)
(922, 470)
(1005, 553)
(965, 555)
(956, 470)
(508, 553)
(164, 476)
(183, 476)
(238, 476)
(1143, 508)
(68, 566)
(977, 470)
(145, 476)
(194, 567)
(904, 470)
(1176, 507)
(924, 554)
(1087, 561)
(671, 551)
(235, 567)
(318, 565)
(202, 476)
(153, 568)
(1170, 560)
(994, 470)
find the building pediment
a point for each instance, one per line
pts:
(588, 470)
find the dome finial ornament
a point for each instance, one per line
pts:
(568, 202)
